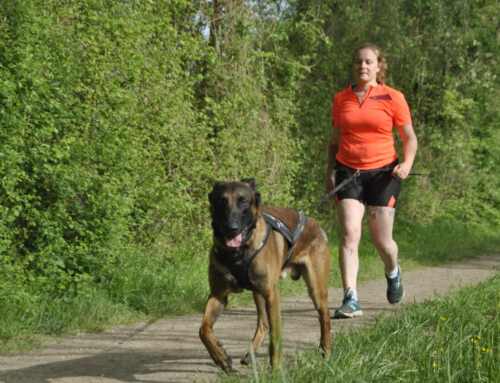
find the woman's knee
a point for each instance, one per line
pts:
(384, 245)
(351, 238)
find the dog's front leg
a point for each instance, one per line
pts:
(274, 315)
(214, 307)
(262, 326)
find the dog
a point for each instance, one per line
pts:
(253, 245)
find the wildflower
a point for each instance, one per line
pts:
(486, 349)
(475, 339)
(443, 318)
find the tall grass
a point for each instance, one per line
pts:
(26, 319)
(140, 287)
(452, 339)
(156, 284)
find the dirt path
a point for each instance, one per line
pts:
(169, 350)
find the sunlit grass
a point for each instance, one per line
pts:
(452, 339)
(26, 323)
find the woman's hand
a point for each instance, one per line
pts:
(402, 170)
(330, 181)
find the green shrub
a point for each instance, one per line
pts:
(116, 118)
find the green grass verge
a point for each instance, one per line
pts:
(27, 319)
(452, 339)
(156, 284)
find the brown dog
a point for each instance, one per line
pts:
(252, 246)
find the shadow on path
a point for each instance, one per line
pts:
(169, 350)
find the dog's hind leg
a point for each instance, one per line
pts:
(316, 277)
(214, 307)
(262, 327)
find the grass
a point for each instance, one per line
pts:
(452, 339)
(143, 287)
(148, 286)
(27, 319)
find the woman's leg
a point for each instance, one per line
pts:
(381, 223)
(350, 213)
(350, 217)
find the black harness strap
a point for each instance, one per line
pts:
(256, 251)
(290, 236)
(239, 264)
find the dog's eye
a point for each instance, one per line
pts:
(243, 203)
(221, 202)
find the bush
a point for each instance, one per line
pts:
(118, 116)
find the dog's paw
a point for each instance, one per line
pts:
(245, 360)
(324, 352)
(227, 366)
(231, 371)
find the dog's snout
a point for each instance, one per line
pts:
(234, 222)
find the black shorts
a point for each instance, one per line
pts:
(374, 187)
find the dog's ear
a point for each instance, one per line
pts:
(215, 189)
(250, 182)
(257, 199)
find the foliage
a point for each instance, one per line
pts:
(116, 118)
(443, 56)
(107, 150)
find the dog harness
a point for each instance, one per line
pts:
(239, 264)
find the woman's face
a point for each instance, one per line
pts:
(366, 67)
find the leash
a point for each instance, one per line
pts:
(338, 188)
(355, 175)
(420, 174)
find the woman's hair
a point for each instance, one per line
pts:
(382, 63)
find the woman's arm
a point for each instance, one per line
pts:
(333, 148)
(410, 145)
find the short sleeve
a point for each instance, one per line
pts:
(402, 115)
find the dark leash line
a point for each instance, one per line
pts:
(339, 187)
(355, 175)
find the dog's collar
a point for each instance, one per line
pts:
(244, 251)
(241, 259)
(248, 232)
(263, 242)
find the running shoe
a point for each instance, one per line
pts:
(350, 308)
(395, 290)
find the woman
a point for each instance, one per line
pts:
(364, 116)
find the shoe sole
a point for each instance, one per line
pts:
(400, 299)
(341, 315)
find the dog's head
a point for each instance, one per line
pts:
(234, 207)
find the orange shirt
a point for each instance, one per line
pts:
(366, 137)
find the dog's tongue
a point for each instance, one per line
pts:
(235, 242)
